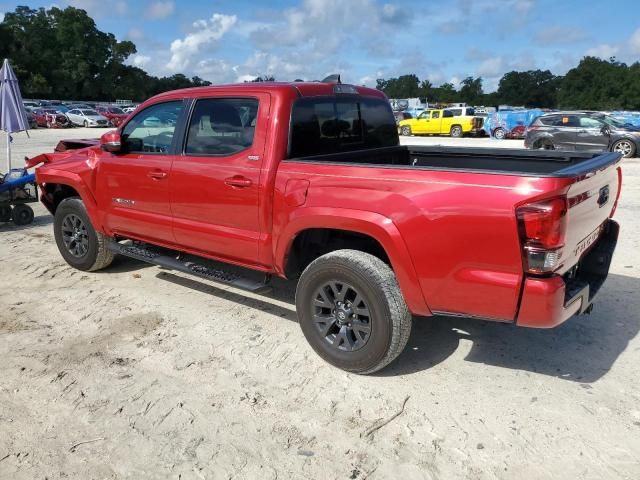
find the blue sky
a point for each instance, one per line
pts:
(227, 41)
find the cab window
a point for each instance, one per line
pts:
(152, 130)
(424, 116)
(588, 122)
(435, 115)
(222, 126)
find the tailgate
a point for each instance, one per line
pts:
(591, 201)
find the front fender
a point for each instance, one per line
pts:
(371, 224)
(49, 175)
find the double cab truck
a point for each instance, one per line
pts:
(308, 182)
(449, 121)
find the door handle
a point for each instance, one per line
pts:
(157, 174)
(238, 181)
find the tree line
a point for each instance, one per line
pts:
(594, 84)
(60, 54)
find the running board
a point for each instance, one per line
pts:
(162, 260)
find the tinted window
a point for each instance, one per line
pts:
(222, 126)
(588, 122)
(90, 112)
(325, 125)
(450, 113)
(74, 112)
(470, 112)
(560, 120)
(149, 131)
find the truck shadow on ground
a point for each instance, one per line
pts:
(583, 349)
(38, 221)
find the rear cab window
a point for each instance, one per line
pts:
(327, 125)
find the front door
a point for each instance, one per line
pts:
(215, 183)
(421, 123)
(134, 184)
(592, 135)
(434, 123)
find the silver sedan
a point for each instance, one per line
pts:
(87, 118)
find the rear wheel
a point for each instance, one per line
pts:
(499, 133)
(624, 147)
(352, 312)
(456, 131)
(406, 131)
(80, 244)
(544, 144)
(86, 124)
(22, 214)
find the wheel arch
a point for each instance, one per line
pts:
(318, 231)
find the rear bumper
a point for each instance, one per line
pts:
(547, 302)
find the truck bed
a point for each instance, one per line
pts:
(540, 163)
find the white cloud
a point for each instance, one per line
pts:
(491, 67)
(135, 34)
(161, 9)
(206, 34)
(634, 43)
(560, 34)
(140, 61)
(603, 51)
(1, 17)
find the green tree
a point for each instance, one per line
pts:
(471, 90)
(534, 88)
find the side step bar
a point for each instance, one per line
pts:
(162, 260)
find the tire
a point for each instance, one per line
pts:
(79, 243)
(86, 124)
(5, 214)
(499, 134)
(406, 130)
(22, 214)
(625, 147)
(544, 144)
(326, 298)
(456, 131)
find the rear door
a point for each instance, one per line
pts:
(565, 129)
(590, 136)
(215, 182)
(134, 185)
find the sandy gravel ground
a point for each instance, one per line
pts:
(139, 373)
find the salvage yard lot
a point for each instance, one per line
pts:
(135, 372)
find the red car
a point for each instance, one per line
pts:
(307, 181)
(114, 114)
(50, 118)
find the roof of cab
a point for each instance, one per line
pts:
(305, 89)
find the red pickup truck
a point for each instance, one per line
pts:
(307, 181)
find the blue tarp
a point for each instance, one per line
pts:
(17, 182)
(510, 119)
(632, 118)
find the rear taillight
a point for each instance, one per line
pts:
(615, 205)
(542, 229)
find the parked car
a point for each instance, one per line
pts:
(316, 188)
(87, 118)
(28, 104)
(583, 131)
(31, 119)
(50, 118)
(128, 110)
(82, 106)
(114, 114)
(399, 116)
(441, 122)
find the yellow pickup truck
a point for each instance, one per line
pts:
(448, 121)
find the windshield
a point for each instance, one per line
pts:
(90, 113)
(115, 110)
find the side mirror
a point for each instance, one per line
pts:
(606, 130)
(111, 142)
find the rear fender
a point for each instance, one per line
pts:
(374, 225)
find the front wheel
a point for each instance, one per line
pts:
(624, 147)
(499, 134)
(406, 131)
(456, 131)
(80, 244)
(86, 124)
(352, 312)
